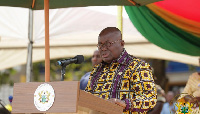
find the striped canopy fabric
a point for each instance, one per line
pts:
(173, 25)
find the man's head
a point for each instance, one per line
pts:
(110, 44)
(96, 58)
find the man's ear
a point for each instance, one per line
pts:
(122, 43)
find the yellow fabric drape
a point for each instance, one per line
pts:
(120, 19)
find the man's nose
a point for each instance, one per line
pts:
(104, 47)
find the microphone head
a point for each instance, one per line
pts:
(80, 59)
(58, 63)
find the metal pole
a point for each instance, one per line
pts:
(29, 68)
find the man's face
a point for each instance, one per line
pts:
(113, 51)
(96, 58)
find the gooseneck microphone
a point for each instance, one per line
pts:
(77, 60)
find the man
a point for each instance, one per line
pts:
(96, 59)
(121, 78)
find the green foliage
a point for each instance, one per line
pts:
(5, 76)
(36, 71)
(77, 70)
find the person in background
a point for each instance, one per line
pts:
(121, 78)
(176, 91)
(168, 107)
(191, 92)
(96, 59)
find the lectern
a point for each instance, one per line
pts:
(69, 99)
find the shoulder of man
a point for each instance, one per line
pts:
(134, 59)
(95, 68)
(139, 61)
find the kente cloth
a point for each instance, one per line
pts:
(126, 78)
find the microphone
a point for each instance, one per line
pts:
(77, 60)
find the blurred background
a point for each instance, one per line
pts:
(172, 76)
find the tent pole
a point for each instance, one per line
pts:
(120, 19)
(29, 67)
(47, 54)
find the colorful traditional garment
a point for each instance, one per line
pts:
(193, 85)
(126, 78)
(192, 88)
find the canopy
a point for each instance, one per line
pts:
(39, 4)
(173, 25)
(73, 31)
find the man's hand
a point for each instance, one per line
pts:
(118, 102)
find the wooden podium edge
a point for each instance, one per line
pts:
(98, 104)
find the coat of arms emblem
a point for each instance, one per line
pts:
(44, 97)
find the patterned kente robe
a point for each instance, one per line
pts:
(127, 78)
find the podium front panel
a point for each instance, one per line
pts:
(66, 95)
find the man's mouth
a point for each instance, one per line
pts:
(105, 55)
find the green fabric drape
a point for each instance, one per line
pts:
(161, 33)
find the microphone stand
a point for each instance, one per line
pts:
(63, 72)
